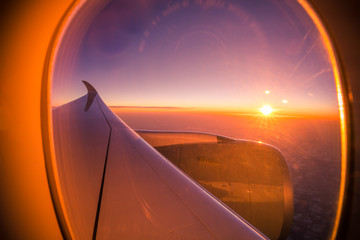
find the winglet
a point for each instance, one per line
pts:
(91, 95)
(89, 87)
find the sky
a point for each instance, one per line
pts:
(205, 54)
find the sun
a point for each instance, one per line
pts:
(266, 110)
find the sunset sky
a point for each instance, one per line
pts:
(219, 55)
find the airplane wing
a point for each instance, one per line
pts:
(113, 185)
(250, 177)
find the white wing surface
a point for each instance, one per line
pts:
(114, 185)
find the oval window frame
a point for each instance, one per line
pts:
(342, 89)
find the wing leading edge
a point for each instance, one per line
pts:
(133, 191)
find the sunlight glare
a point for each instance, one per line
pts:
(266, 110)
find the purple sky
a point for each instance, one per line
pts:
(206, 54)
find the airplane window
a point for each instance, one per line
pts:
(255, 75)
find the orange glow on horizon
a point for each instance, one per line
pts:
(287, 113)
